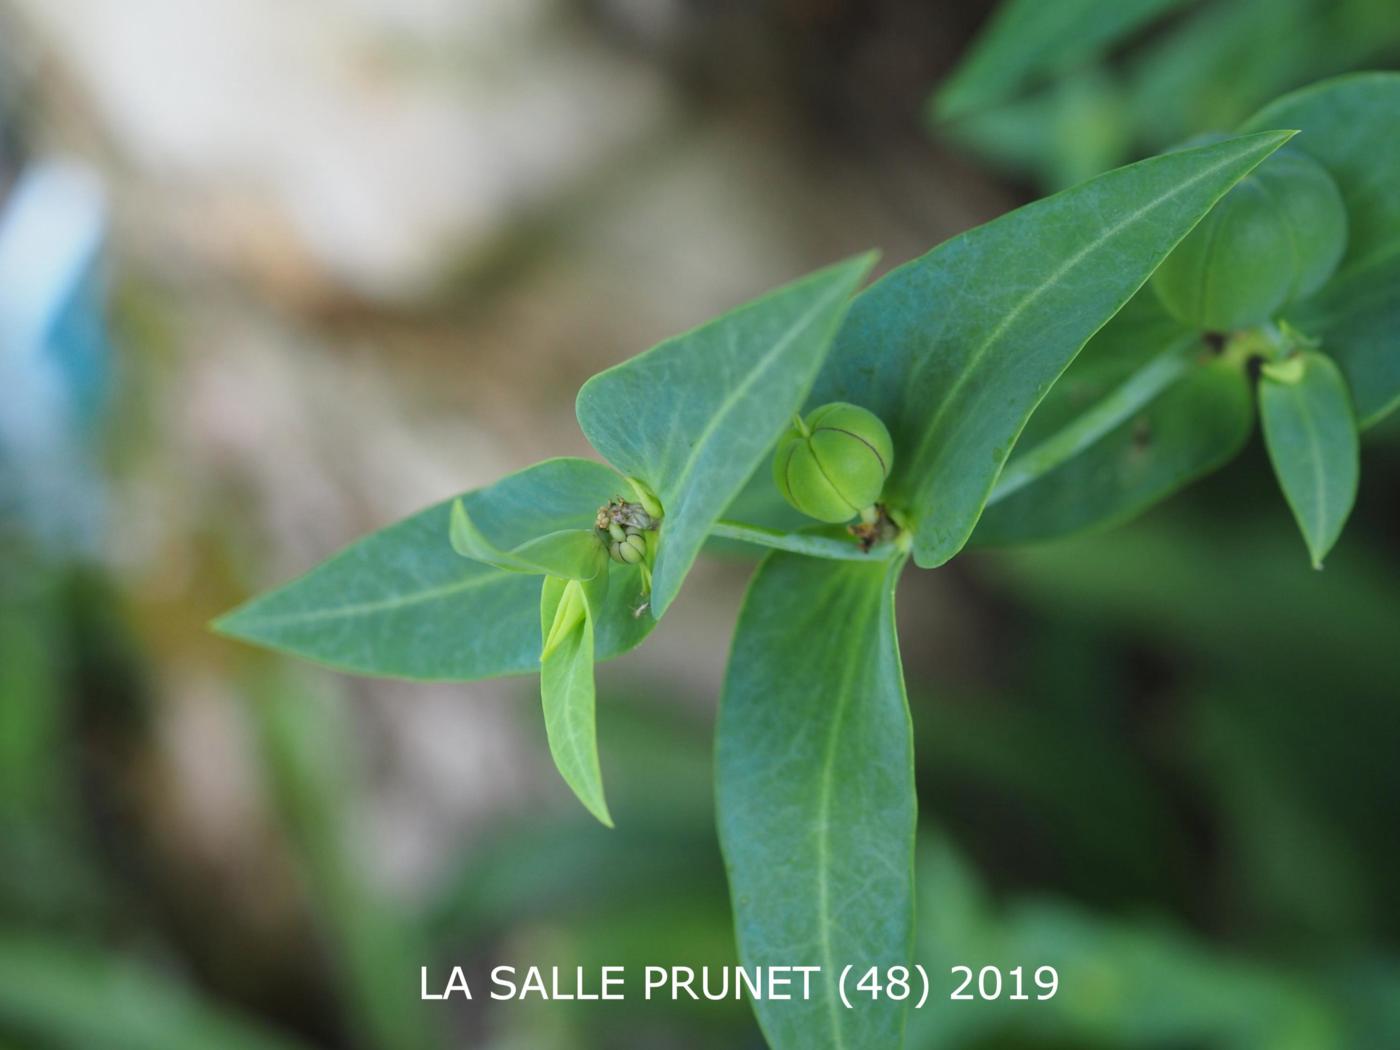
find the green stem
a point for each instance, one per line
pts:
(813, 544)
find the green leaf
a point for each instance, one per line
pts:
(400, 602)
(815, 789)
(1028, 39)
(1357, 319)
(822, 542)
(1125, 366)
(573, 554)
(1351, 125)
(694, 416)
(1310, 431)
(64, 995)
(1143, 410)
(568, 692)
(955, 349)
(1191, 425)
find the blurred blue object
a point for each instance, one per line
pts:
(54, 355)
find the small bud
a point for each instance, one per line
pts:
(833, 465)
(617, 532)
(632, 550)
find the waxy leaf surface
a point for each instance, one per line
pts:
(695, 415)
(572, 554)
(815, 789)
(955, 349)
(1356, 317)
(1351, 125)
(402, 603)
(570, 699)
(1142, 411)
(1310, 431)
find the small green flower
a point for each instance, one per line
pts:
(832, 465)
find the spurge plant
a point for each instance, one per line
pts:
(953, 399)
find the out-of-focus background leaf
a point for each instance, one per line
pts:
(357, 259)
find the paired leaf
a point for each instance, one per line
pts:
(1356, 317)
(402, 603)
(1195, 423)
(1310, 431)
(694, 416)
(1028, 39)
(820, 542)
(567, 612)
(815, 789)
(1141, 412)
(954, 350)
(1351, 125)
(573, 554)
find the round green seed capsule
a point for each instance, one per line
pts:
(617, 532)
(833, 464)
(1272, 240)
(631, 550)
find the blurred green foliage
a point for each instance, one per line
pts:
(1058, 92)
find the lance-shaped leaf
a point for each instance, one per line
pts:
(572, 554)
(1145, 409)
(695, 415)
(815, 789)
(954, 350)
(1310, 431)
(1356, 317)
(567, 612)
(1351, 125)
(402, 603)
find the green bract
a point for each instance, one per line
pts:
(832, 465)
(1274, 239)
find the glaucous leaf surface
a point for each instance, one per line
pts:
(1351, 124)
(955, 349)
(695, 415)
(1195, 421)
(1028, 39)
(572, 554)
(1357, 319)
(830, 541)
(1310, 431)
(1129, 351)
(815, 790)
(1141, 411)
(402, 603)
(570, 700)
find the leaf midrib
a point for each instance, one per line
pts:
(824, 799)
(362, 608)
(931, 431)
(718, 417)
